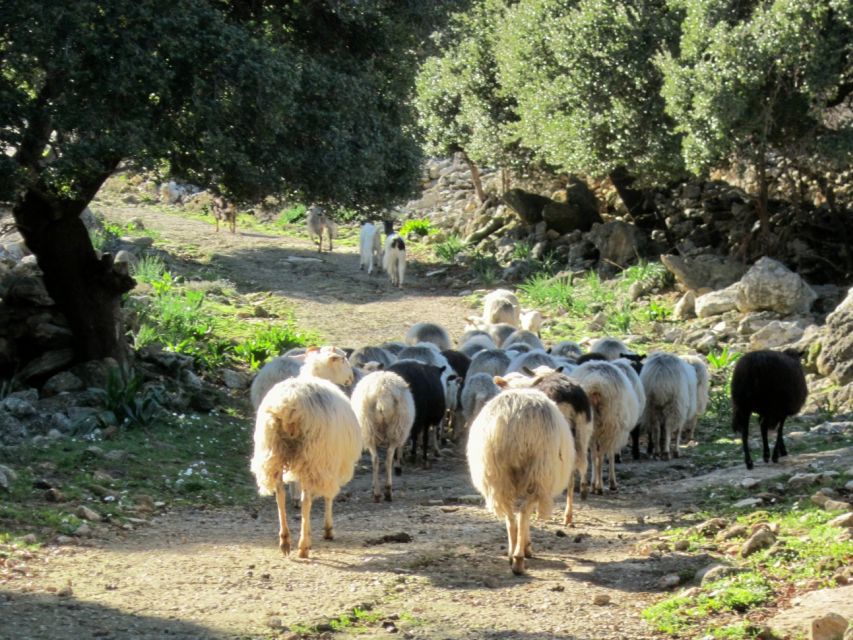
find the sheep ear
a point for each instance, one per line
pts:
(501, 382)
(335, 357)
(312, 349)
(528, 372)
(559, 369)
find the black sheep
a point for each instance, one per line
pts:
(773, 385)
(427, 389)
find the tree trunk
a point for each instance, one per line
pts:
(475, 178)
(86, 289)
(505, 180)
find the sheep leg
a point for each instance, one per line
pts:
(740, 425)
(635, 442)
(435, 436)
(779, 447)
(374, 460)
(598, 485)
(328, 534)
(295, 491)
(512, 536)
(305, 530)
(666, 452)
(568, 515)
(283, 531)
(398, 461)
(413, 456)
(611, 476)
(654, 440)
(389, 462)
(425, 446)
(677, 452)
(765, 446)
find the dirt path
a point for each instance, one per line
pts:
(219, 574)
(327, 291)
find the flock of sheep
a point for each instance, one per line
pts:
(532, 417)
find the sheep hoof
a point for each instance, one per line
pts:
(303, 553)
(387, 495)
(398, 471)
(518, 566)
(377, 497)
(584, 492)
(749, 464)
(614, 488)
(327, 534)
(528, 551)
(676, 454)
(284, 544)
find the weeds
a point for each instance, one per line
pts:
(291, 215)
(485, 269)
(418, 226)
(129, 403)
(448, 249)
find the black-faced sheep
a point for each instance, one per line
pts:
(305, 431)
(520, 455)
(773, 385)
(385, 410)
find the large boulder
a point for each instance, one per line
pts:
(717, 302)
(577, 210)
(836, 354)
(713, 272)
(618, 242)
(527, 205)
(769, 285)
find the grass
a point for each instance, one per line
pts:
(448, 249)
(418, 226)
(179, 460)
(575, 301)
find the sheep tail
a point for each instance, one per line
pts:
(278, 437)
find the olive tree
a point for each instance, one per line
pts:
(253, 98)
(751, 79)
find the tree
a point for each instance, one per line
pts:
(461, 104)
(251, 97)
(751, 79)
(588, 90)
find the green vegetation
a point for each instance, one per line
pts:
(291, 214)
(185, 320)
(178, 459)
(806, 555)
(418, 226)
(448, 249)
(574, 301)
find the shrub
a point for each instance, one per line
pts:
(419, 226)
(291, 214)
(448, 249)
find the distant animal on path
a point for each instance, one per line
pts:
(318, 222)
(225, 211)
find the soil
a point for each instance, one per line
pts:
(200, 573)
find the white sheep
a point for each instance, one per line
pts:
(614, 404)
(667, 384)
(475, 344)
(703, 387)
(305, 431)
(273, 372)
(531, 320)
(573, 403)
(318, 222)
(370, 247)
(491, 361)
(385, 410)
(394, 259)
(478, 390)
(610, 348)
(501, 306)
(531, 360)
(428, 332)
(566, 349)
(520, 455)
(522, 336)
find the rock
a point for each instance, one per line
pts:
(832, 428)
(83, 531)
(770, 285)
(828, 627)
(836, 355)
(527, 205)
(747, 502)
(717, 302)
(63, 381)
(54, 495)
(18, 407)
(25, 290)
(579, 211)
(775, 334)
(800, 480)
(714, 572)
(712, 271)
(836, 505)
(749, 483)
(669, 581)
(711, 526)
(236, 379)
(845, 520)
(125, 257)
(47, 363)
(85, 513)
(761, 539)
(795, 621)
(735, 531)
(618, 243)
(685, 308)
(12, 430)
(601, 599)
